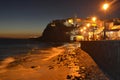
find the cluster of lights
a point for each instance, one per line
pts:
(88, 24)
(86, 30)
(94, 19)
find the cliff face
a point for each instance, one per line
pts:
(57, 31)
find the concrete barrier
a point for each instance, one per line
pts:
(106, 54)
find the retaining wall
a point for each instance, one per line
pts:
(106, 54)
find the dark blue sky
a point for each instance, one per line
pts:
(28, 18)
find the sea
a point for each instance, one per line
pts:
(15, 47)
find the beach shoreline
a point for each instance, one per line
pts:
(57, 63)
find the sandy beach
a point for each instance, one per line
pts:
(66, 62)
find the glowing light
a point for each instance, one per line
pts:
(89, 33)
(97, 36)
(84, 32)
(81, 30)
(70, 21)
(105, 6)
(53, 25)
(79, 38)
(94, 24)
(111, 32)
(88, 25)
(84, 28)
(94, 19)
(78, 20)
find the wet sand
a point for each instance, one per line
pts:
(58, 63)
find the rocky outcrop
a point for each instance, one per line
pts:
(57, 31)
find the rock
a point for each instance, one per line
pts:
(69, 76)
(50, 67)
(83, 68)
(35, 67)
(56, 33)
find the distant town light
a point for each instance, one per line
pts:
(94, 19)
(94, 24)
(111, 32)
(88, 25)
(84, 28)
(70, 21)
(81, 30)
(90, 33)
(84, 32)
(53, 25)
(79, 38)
(78, 20)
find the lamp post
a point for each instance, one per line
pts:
(105, 7)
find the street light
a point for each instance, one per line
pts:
(105, 7)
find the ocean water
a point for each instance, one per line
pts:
(10, 48)
(14, 47)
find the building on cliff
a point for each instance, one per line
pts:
(76, 29)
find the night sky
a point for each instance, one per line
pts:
(28, 18)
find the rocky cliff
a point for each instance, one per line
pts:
(57, 31)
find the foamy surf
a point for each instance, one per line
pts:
(5, 63)
(52, 53)
(59, 50)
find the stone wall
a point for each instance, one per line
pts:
(106, 54)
